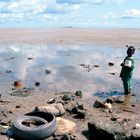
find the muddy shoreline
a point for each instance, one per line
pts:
(12, 106)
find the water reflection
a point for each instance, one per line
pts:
(64, 64)
(107, 94)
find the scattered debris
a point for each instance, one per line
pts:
(111, 64)
(98, 104)
(114, 118)
(129, 110)
(87, 66)
(80, 114)
(47, 71)
(108, 105)
(118, 99)
(37, 84)
(51, 101)
(56, 109)
(21, 92)
(30, 58)
(17, 84)
(112, 73)
(66, 98)
(7, 59)
(66, 137)
(8, 71)
(137, 125)
(96, 66)
(18, 106)
(79, 93)
(4, 125)
(4, 102)
(109, 100)
(33, 123)
(80, 106)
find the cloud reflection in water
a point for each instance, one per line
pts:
(64, 64)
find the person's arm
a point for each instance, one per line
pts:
(122, 64)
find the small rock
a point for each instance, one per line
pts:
(96, 66)
(17, 83)
(80, 114)
(50, 101)
(133, 105)
(118, 99)
(133, 94)
(4, 125)
(109, 100)
(79, 93)
(48, 108)
(10, 112)
(98, 104)
(112, 73)
(66, 137)
(111, 64)
(18, 106)
(113, 118)
(37, 83)
(80, 106)
(61, 109)
(30, 58)
(137, 125)
(8, 71)
(74, 110)
(56, 109)
(66, 98)
(108, 105)
(47, 71)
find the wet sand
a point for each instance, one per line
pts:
(14, 105)
(111, 37)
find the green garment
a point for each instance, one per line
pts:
(126, 73)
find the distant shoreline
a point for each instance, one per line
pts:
(114, 37)
(69, 27)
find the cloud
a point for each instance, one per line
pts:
(25, 10)
(5, 0)
(110, 15)
(61, 12)
(128, 14)
(69, 1)
(131, 13)
(117, 1)
(80, 1)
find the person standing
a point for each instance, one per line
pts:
(127, 70)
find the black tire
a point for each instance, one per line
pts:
(27, 133)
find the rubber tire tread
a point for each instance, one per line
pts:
(26, 133)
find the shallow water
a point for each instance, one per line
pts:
(69, 68)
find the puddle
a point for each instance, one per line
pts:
(65, 68)
(107, 94)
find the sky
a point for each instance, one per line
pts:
(70, 13)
